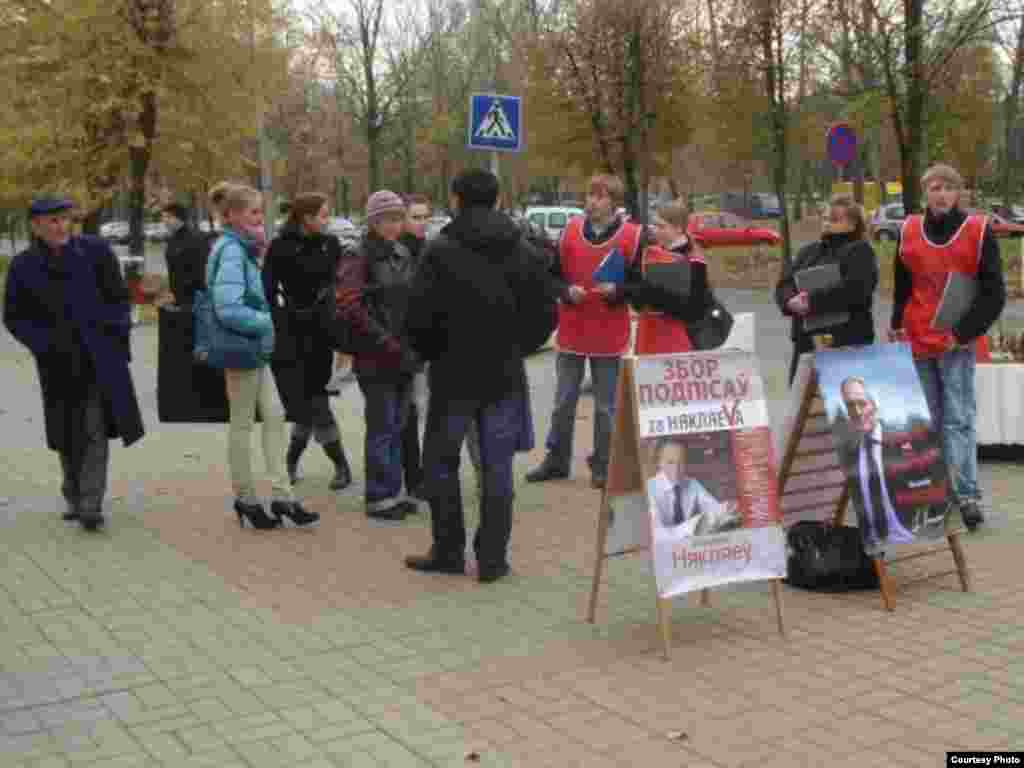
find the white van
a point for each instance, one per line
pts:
(553, 218)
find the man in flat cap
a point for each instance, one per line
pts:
(66, 301)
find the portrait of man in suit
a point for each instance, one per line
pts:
(681, 503)
(878, 471)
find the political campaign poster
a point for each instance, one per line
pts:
(708, 464)
(887, 443)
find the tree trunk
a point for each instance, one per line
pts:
(1010, 109)
(775, 81)
(911, 148)
(803, 194)
(138, 162)
(373, 171)
(90, 225)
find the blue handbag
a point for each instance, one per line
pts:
(217, 345)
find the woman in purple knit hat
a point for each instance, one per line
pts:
(372, 295)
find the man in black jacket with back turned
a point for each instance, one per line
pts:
(480, 303)
(185, 254)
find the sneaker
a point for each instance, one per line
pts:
(971, 514)
(393, 514)
(293, 515)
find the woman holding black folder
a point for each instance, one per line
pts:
(668, 285)
(829, 287)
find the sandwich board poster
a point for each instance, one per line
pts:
(886, 441)
(705, 446)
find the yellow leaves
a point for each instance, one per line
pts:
(81, 74)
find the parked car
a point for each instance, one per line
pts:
(1001, 227)
(116, 231)
(714, 229)
(340, 227)
(156, 231)
(553, 218)
(755, 205)
(436, 224)
(1012, 213)
(886, 222)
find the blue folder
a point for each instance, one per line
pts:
(612, 269)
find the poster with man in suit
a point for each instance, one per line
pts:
(887, 443)
(708, 466)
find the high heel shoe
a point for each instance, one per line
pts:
(254, 516)
(293, 515)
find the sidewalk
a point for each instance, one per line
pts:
(177, 639)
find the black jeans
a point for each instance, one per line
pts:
(500, 425)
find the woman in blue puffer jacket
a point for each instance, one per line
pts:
(236, 290)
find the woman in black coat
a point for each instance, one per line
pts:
(841, 309)
(299, 270)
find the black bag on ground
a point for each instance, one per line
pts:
(828, 558)
(187, 392)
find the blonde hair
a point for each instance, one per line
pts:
(853, 212)
(239, 196)
(217, 194)
(942, 172)
(674, 213)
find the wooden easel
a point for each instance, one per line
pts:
(625, 475)
(811, 455)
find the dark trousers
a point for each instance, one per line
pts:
(386, 410)
(86, 456)
(500, 428)
(604, 372)
(412, 466)
(321, 423)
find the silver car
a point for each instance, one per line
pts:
(887, 222)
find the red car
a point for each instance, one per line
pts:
(1003, 228)
(714, 229)
(999, 225)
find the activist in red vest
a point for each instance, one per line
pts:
(663, 311)
(932, 248)
(593, 325)
(589, 323)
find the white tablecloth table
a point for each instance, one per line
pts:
(1000, 392)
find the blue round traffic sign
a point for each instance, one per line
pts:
(842, 144)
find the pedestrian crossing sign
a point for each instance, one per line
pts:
(495, 122)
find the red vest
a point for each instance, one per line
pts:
(929, 265)
(656, 332)
(593, 327)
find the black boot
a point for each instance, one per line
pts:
(295, 449)
(492, 537)
(342, 472)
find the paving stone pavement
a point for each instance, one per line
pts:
(176, 639)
